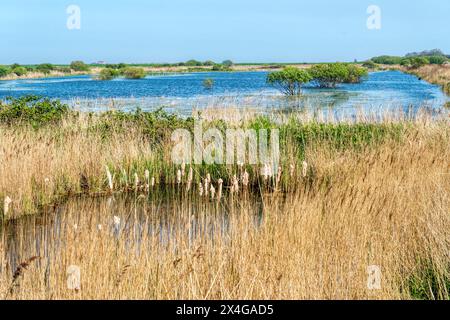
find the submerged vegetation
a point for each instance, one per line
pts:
(291, 79)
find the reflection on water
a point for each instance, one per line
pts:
(166, 217)
(183, 92)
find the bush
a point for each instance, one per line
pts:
(228, 63)
(437, 59)
(370, 65)
(418, 62)
(108, 74)
(45, 68)
(4, 71)
(289, 80)
(387, 60)
(20, 71)
(32, 110)
(355, 73)
(193, 63)
(79, 66)
(133, 73)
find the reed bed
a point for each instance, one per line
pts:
(386, 204)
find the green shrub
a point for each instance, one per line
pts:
(4, 71)
(20, 71)
(437, 59)
(228, 63)
(329, 75)
(79, 66)
(193, 63)
(355, 73)
(32, 110)
(45, 68)
(133, 73)
(418, 62)
(387, 60)
(289, 80)
(369, 64)
(108, 74)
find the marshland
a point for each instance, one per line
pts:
(87, 179)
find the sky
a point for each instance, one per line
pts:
(145, 31)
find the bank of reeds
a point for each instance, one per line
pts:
(361, 202)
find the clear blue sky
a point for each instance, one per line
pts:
(34, 31)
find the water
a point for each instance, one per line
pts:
(181, 93)
(166, 217)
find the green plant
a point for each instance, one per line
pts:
(32, 110)
(289, 80)
(4, 71)
(387, 60)
(228, 63)
(133, 73)
(79, 66)
(20, 71)
(45, 68)
(355, 73)
(329, 75)
(108, 74)
(418, 62)
(369, 64)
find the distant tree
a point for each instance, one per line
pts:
(108, 74)
(14, 65)
(19, 71)
(228, 63)
(45, 68)
(79, 66)
(193, 63)
(437, 59)
(369, 64)
(289, 80)
(209, 63)
(4, 71)
(133, 73)
(418, 62)
(387, 60)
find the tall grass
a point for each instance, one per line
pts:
(383, 204)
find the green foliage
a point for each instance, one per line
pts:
(79, 66)
(116, 66)
(390, 60)
(133, 73)
(437, 59)
(427, 284)
(64, 69)
(329, 75)
(108, 74)
(208, 83)
(418, 62)
(4, 71)
(220, 67)
(289, 80)
(32, 110)
(193, 63)
(209, 63)
(228, 63)
(369, 64)
(20, 71)
(355, 73)
(45, 68)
